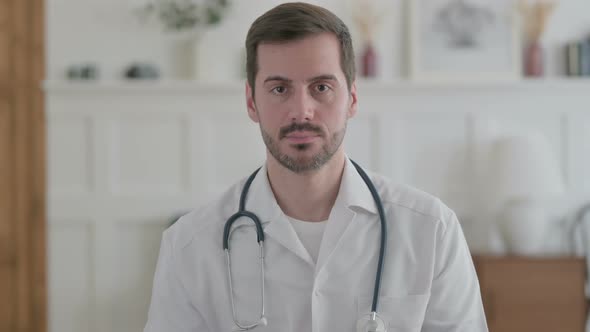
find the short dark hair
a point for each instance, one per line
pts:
(294, 21)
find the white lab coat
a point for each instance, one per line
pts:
(429, 282)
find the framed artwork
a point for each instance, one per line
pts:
(463, 40)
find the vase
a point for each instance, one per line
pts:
(369, 61)
(533, 59)
(184, 56)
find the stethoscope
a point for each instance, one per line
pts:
(369, 323)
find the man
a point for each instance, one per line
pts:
(321, 223)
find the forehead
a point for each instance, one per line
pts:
(310, 56)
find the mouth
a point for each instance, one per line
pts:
(300, 132)
(302, 137)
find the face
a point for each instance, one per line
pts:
(301, 101)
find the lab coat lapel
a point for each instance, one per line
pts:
(339, 221)
(262, 202)
(281, 231)
(353, 192)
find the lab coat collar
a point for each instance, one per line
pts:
(354, 191)
(262, 202)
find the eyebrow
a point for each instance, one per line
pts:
(277, 78)
(325, 77)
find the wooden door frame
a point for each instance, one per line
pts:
(22, 72)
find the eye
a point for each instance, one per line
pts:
(279, 90)
(322, 88)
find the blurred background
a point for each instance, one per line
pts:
(118, 116)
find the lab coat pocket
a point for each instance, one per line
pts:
(400, 313)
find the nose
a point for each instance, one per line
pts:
(302, 107)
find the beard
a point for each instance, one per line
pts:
(301, 164)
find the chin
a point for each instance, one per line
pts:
(300, 150)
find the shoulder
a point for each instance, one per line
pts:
(206, 220)
(413, 201)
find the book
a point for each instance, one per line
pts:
(573, 64)
(585, 58)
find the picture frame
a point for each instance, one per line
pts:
(464, 40)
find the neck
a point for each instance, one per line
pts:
(307, 196)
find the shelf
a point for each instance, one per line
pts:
(365, 87)
(145, 86)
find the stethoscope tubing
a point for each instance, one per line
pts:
(383, 244)
(242, 212)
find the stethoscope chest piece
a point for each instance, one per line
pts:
(370, 323)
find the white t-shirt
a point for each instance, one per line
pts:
(310, 234)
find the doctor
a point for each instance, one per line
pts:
(321, 223)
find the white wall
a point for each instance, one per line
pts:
(123, 159)
(106, 33)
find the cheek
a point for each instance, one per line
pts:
(272, 113)
(269, 120)
(338, 115)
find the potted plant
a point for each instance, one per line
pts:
(184, 21)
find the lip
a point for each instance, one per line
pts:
(301, 138)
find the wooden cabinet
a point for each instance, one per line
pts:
(22, 167)
(533, 294)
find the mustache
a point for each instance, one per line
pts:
(299, 127)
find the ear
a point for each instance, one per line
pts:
(252, 112)
(353, 105)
